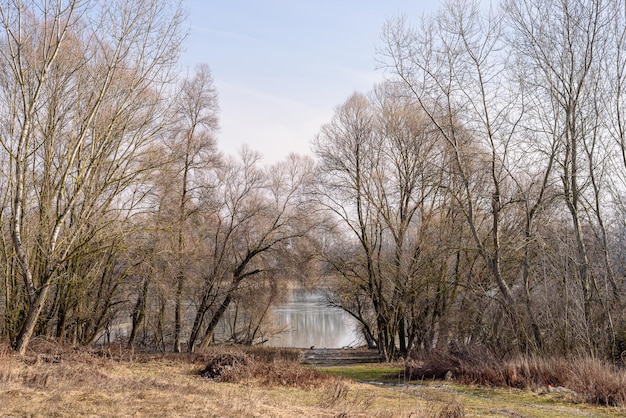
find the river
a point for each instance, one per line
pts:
(310, 322)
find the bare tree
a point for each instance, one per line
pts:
(453, 68)
(82, 83)
(259, 215)
(380, 166)
(194, 152)
(347, 149)
(563, 44)
(528, 99)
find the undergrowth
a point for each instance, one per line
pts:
(263, 366)
(587, 379)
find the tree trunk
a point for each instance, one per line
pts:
(34, 310)
(208, 335)
(138, 313)
(199, 319)
(177, 313)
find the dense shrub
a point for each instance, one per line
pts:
(470, 365)
(598, 382)
(227, 366)
(264, 366)
(586, 379)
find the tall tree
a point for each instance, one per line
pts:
(380, 165)
(81, 81)
(563, 44)
(453, 68)
(193, 153)
(259, 216)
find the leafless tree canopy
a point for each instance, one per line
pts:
(476, 196)
(500, 221)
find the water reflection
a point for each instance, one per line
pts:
(309, 321)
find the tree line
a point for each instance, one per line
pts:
(483, 183)
(474, 197)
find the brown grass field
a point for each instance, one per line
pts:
(58, 382)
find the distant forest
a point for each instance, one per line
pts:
(476, 197)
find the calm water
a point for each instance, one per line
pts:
(309, 321)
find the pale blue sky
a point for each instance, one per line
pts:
(282, 66)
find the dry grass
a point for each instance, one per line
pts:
(598, 382)
(59, 382)
(583, 379)
(451, 410)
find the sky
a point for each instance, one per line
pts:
(281, 67)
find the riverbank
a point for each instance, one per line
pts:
(63, 382)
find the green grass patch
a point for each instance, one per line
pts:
(486, 402)
(477, 400)
(369, 372)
